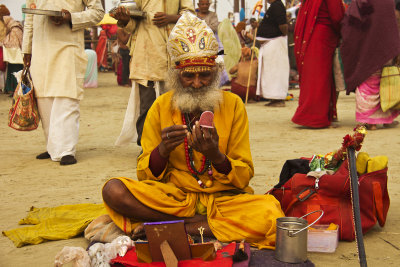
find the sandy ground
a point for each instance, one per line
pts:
(26, 182)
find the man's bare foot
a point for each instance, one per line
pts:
(391, 125)
(276, 103)
(138, 232)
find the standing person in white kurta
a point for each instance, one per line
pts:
(273, 61)
(53, 47)
(149, 58)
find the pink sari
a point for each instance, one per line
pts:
(368, 105)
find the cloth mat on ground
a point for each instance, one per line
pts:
(130, 260)
(57, 223)
(265, 257)
(256, 258)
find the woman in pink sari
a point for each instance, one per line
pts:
(368, 105)
(371, 40)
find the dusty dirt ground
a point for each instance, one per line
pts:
(26, 182)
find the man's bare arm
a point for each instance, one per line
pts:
(234, 69)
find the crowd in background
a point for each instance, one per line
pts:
(270, 55)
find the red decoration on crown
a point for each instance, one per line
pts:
(191, 36)
(197, 61)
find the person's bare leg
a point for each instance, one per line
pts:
(120, 199)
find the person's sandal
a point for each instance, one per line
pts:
(276, 103)
(68, 160)
(44, 155)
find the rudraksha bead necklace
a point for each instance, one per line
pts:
(205, 163)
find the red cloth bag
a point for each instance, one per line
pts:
(300, 195)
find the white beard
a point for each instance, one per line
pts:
(190, 99)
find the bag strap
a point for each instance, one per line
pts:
(26, 76)
(303, 195)
(24, 72)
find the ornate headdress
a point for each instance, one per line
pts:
(192, 45)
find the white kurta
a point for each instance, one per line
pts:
(59, 61)
(273, 69)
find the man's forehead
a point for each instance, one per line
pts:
(198, 69)
(199, 72)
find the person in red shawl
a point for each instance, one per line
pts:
(317, 34)
(101, 49)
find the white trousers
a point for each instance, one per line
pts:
(129, 133)
(273, 69)
(60, 122)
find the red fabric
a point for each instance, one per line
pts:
(2, 63)
(157, 163)
(101, 50)
(130, 260)
(333, 197)
(316, 37)
(241, 90)
(110, 29)
(225, 167)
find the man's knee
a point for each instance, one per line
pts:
(113, 192)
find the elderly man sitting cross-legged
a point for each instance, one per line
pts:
(200, 175)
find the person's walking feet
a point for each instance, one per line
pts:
(68, 160)
(44, 155)
(371, 127)
(391, 125)
(276, 103)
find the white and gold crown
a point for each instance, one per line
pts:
(192, 44)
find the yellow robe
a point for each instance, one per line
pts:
(233, 212)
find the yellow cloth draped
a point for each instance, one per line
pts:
(230, 40)
(233, 212)
(366, 164)
(57, 223)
